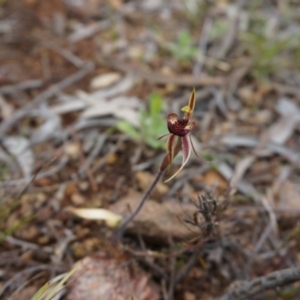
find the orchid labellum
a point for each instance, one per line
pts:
(179, 137)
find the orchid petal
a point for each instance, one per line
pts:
(186, 149)
(178, 146)
(192, 100)
(194, 150)
(189, 109)
(179, 127)
(172, 151)
(172, 118)
(162, 136)
(190, 126)
(170, 148)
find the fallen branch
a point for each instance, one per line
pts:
(253, 287)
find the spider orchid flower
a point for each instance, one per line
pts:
(179, 137)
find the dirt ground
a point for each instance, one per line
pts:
(85, 89)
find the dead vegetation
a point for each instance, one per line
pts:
(85, 90)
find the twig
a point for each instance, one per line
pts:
(38, 170)
(46, 95)
(229, 38)
(231, 35)
(25, 85)
(164, 289)
(64, 52)
(188, 266)
(27, 245)
(92, 156)
(258, 246)
(119, 183)
(22, 286)
(151, 264)
(172, 282)
(203, 41)
(286, 89)
(25, 272)
(88, 31)
(86, 167)
(261, 284)
(41, 175)
(98, 165)
(266, 202)
(62, 246)
(207, 208)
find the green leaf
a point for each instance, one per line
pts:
(155, 104)
(61, 283)
(127, 128)
(41, 291)
(184, 38)
(152, 124)
(144, 119)
(184, 50)
(154, 143)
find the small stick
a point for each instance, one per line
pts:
(44, 96)
(86, 168)
(25, 85)
(258, 285)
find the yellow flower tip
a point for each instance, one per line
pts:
(186, 109)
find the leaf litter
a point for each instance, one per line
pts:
(70, 71)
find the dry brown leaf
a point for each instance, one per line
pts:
(281, 131)
(20, 148)
(213, 179)
(240, 169)
(290, 197)
(158, 220)
(104, 80)
(110, 218)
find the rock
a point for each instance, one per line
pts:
(105, 278)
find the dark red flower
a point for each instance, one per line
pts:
(179, 136)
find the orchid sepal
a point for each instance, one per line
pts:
(195, 152)
(186, 149)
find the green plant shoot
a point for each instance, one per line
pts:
(152, 124)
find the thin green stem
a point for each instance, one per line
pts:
(147, 194)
